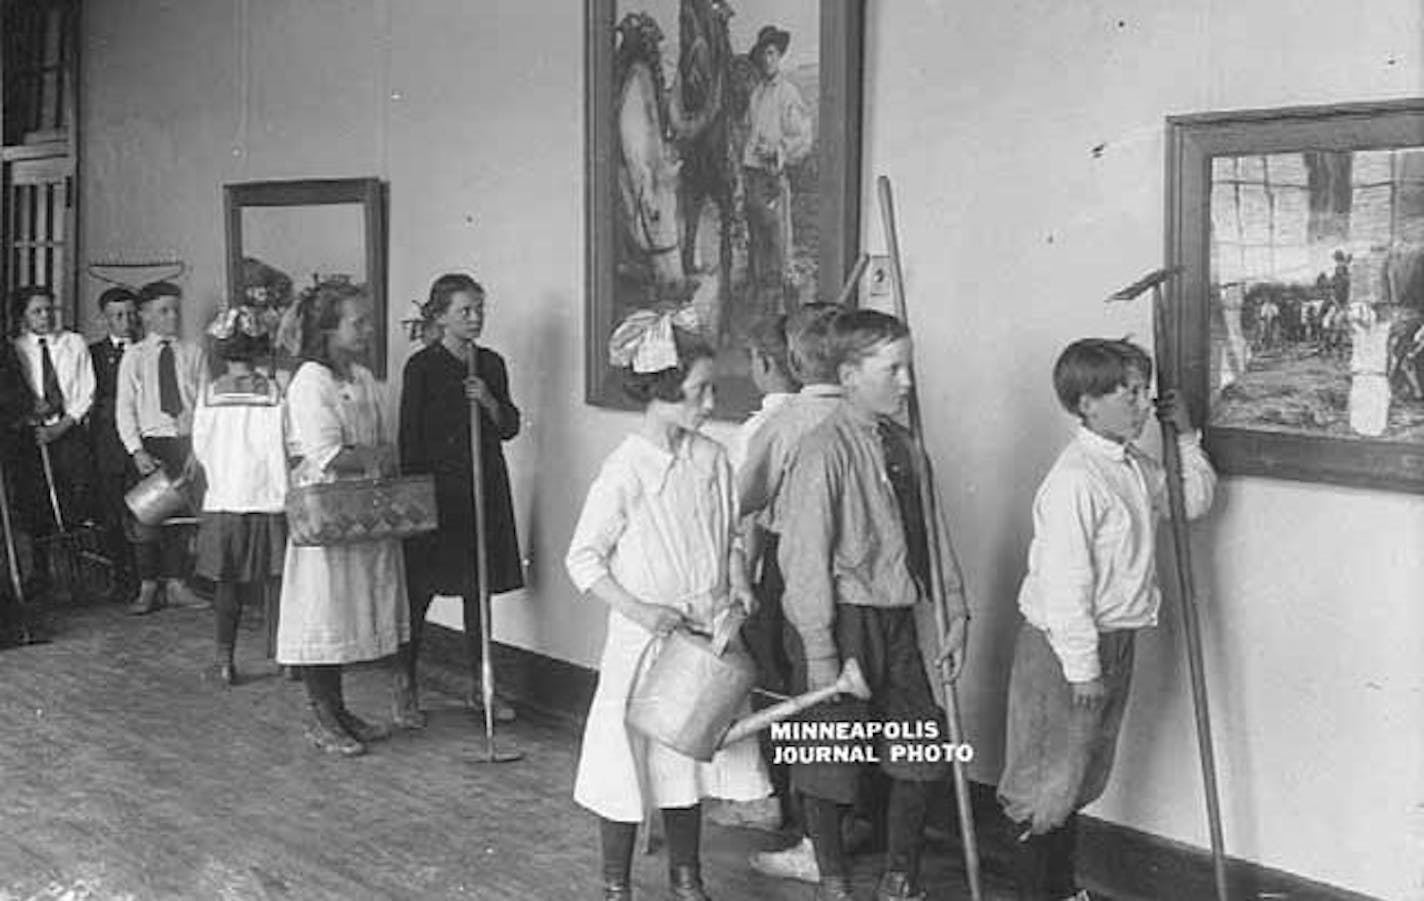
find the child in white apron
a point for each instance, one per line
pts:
(238, 440)
(655, 543)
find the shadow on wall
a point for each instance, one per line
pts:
(546, 432)
(995, 600)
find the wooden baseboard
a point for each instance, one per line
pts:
(1115, 861)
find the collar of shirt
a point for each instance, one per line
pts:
(1101, 446)
(653, 463)
(863, 419)
(119, 343)
(774, 401)
(819, 390)
(155, 340)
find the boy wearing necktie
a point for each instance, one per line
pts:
(158, 383)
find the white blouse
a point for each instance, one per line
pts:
(660, 524)
(243, 456)
(325, 413)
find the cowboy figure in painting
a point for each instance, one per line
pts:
(778, 136)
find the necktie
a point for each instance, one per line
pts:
(899, 466)
(49, 383)
(170, 401)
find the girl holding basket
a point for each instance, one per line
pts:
(342, 603)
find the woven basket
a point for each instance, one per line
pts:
(356, 510)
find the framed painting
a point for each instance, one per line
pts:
(1298, 317)
(723, 154)
(283, 236)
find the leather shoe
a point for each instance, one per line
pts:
(686, 883)
(147, 601)
(896, 886)
(617, 891)
(330, 742)
(361, 730)
(222, 673)
(834, 888)
(503, 713)
(181, 596)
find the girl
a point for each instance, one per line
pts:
(654, 543)
(345, 603)
(436, 399)
(237, 438)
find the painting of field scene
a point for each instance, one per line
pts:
(1317, 293)
(714, 160)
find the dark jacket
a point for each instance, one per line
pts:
(110, 457)
(435, 438)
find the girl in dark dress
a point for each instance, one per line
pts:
(436, 397)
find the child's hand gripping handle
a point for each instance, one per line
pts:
(725, 627)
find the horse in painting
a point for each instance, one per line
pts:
(702, 107)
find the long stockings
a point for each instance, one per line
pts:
(617, 840)
(420, 601)
(323, 682)
(905, 832)
(1044, 864)
(823, 825)
(683, 826)
(228, 601)
(905, 828)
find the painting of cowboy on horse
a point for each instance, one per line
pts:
(715, 146)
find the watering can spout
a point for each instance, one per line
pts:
(850, 682)
(689, 696)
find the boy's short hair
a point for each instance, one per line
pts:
(20, 298)
(666, 384)
(1093, 367)
(118, 294)
(768, 338)
(807, 335)
(854, 335)
(155, 290)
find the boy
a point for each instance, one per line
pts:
(769, 451)
(113, 468)
(771, 373)
(158, 387)
(855, 554)
(56, 366)
(1091, 585)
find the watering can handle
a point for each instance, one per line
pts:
(726, 628)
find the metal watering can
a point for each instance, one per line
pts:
(689, 697)
(157, 498)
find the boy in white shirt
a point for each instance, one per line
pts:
(158, 386)
(771, 373)
(61, 380)
(1091, 584)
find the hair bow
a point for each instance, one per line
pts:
(645, 339)
(231, 320)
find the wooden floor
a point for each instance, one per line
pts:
(124, 776)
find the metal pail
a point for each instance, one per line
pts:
(157, 498)
(688, 697)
